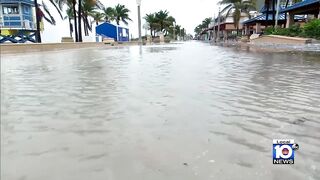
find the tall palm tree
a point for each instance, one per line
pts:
(108, 13)
(237, 7)
(42, 12)
(121, 13)
(71, 4)
(88, 7)
(69, 16)
(79, 20)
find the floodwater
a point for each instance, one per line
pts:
(186, 111)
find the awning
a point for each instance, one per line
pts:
(262, 18)
(302, 5)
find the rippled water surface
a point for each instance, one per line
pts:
(186, 111)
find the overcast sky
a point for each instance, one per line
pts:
(188, 14)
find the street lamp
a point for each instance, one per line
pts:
(139, 20)
(219, 25)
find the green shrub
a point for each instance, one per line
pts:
(312, 29)
(293, 30)
(269, 30)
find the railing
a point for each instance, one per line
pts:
(31, 2)
(17, 24)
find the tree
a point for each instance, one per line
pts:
(108, 13)
(97, 17)
(205, 23)
(238, 7)
(88, 8)
(71, 4)
(121, 13)
(152, 23)
(161, 17)
(40, 9)
(79, 20)
(69, 16)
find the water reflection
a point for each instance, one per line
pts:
(143, 112)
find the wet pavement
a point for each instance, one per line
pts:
(186, 111)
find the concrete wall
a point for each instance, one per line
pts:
(35, 47)
(274, 39)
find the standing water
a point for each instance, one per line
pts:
(186, 111)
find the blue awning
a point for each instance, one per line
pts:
(270, 18)
(301, 5)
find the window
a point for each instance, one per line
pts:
(26, 9)
(10, 9)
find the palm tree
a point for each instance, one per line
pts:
(168, 23)
(121, 13)
(42, 12)
(71, 4)
(108, 13)
(238, 7)
(97, 17)
(206, 22)
(69, 16)
(161, 17)
(152, 23)
(88, 7)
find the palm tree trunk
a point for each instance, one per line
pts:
(75, 20)
(38, 19)
(70, 27)
(79, 20)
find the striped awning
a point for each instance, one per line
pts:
(270, 18)
(301, 5)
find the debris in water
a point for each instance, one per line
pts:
(186, 164)
(299, 121)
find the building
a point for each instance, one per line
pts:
(306, 7)
(223, 27)
(117, 33)
(17, 21)
(268, 16)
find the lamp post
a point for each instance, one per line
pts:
(214, 28)
(218, 35)
(139, 21)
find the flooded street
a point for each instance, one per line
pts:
(186, 111)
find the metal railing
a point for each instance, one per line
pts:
(17, 24)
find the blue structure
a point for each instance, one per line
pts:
(262, 18)
(304, 7)
(17, 21)
(118, 33)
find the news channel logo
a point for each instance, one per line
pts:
(283, 151)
